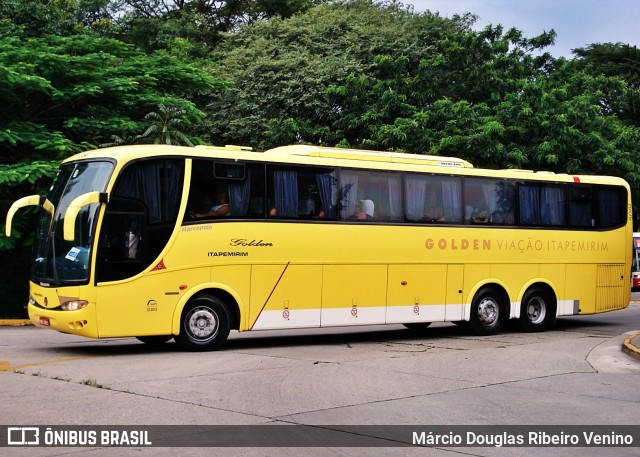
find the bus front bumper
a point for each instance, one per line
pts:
(81, 322)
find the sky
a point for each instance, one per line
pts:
(577, 23)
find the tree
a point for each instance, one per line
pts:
(32, 18)
(365, 75)
(616, 60)
(63, 95)
(152, 25)
(280, 71)
(164, 126)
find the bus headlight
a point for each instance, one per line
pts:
(74, 305)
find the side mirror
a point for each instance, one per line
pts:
(31, 200)
(74, 208)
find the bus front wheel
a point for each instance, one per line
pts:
(536, 311)
(488, 314)
(204, 324)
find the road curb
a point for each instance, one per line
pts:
(14, 322)
(630, 346)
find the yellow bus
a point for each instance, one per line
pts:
(161, 242)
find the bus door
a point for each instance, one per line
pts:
(139, 220)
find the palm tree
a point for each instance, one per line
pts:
(117, 140)
(164, 126)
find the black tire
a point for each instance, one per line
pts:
(204, 324)
(154, 340)
(537, 310)
(417, 326)
(488, 312)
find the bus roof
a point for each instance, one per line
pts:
(326, 156)
(281, 152)
(373, 156)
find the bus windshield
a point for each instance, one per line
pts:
(57, 261)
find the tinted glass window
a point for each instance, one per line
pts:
(369, 195)
(302, 193)
(489, 201)
(430, 198)
(612, 204)
(221, 189)
(581, 207)
(542, 204)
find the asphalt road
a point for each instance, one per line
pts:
(574, 373)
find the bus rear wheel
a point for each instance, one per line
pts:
(204, 324)
(536, 310)
(488, 313)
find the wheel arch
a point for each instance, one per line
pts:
(227, 295)
(537, 283)
(490, 283)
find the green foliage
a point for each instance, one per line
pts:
(621, 61)
(191, 25)
(351, 73)
(282, 69)
(64, 94)
(22, 179)
(364, 75)
(164, 126)
(31, 18)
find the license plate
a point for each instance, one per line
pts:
(44, 321)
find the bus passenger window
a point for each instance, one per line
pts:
(433, 199)
(580, 207)
(489, 201)
(302, 193)
(220, 189)
(543, 205)
(612, 204)
(380, 192)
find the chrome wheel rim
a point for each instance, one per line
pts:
(202, 323)
(488, 310)
(536, 310)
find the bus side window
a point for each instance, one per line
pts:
(369, 195)
(240, 186)
(432, 198)
(612, 204)
(490, 201)
(301, 192)
(543, 204)
(580, 209)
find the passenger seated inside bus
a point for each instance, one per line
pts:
(364, 210)
(220, 208)
(434, 216)
(479, 216)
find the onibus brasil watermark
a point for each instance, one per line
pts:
(306, 435)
